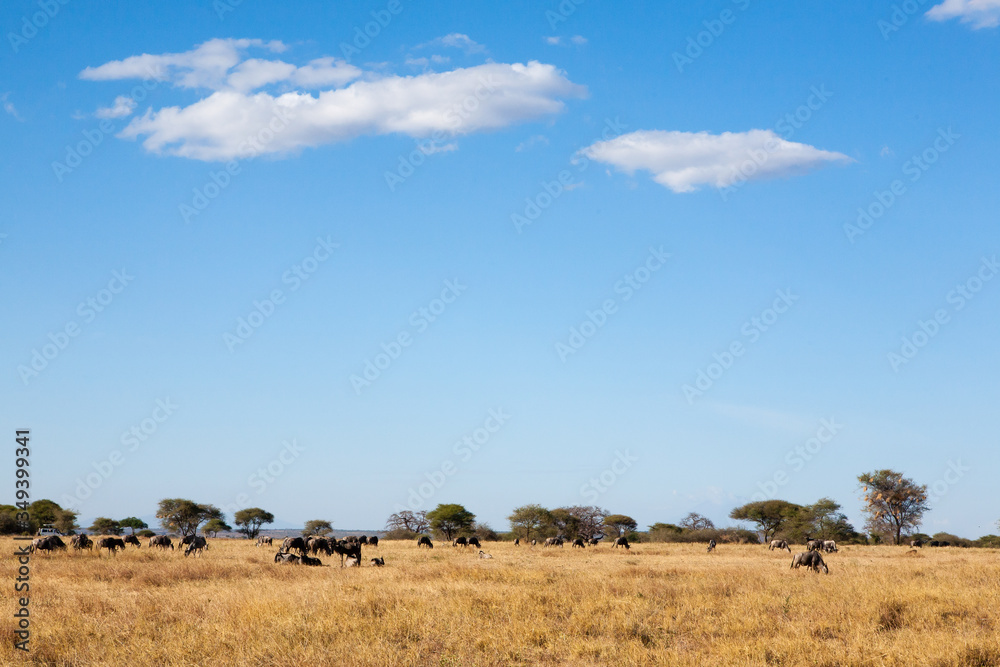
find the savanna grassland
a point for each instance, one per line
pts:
(659, 604)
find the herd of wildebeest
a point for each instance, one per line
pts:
(349, 548)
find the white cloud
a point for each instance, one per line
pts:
(980, 13)
(457, 102)
(553, 41)
(123, 106)
(578, 39)
(456, 40)
(683, 161)
(9, 107)
(531, 141)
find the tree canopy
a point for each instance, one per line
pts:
(104, 526)
(251, 519)
(619, 524)
(213, 527)
(317, 527)
(894, 504)
(768, 515)
(409, 521)
(450, 520)
(183, 516)
(133, 523)
(527, 519)
(695, 521)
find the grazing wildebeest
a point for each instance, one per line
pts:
(474, 542)
(553, 542)
(779, 545)
(814, 545)
(112, 544)
(261, 540)
(378, 562)
(48, 543)
(829, 546)
(363, 539)
(460, 541)
(196, 546)
(373, 541)
(483, 554)
(578, 542)
(594, 541)
(81, 542)
(517, 541)
(317, 544)
(917, 543)
(810, 559)
(132, 539)
(352, 550)
(351, 539)
(161, 541)
(933, 543)
(534, 542)
(424, 541)
(620, 542)
(308, 560)
(296, 543)
(287, 558)
(711, 546)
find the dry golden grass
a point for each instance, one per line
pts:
(655, 605)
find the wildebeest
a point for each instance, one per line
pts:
(307, 560)
(711, 546)
(81, 542)
(317, 544)
(287, 558)
(363, 539)
(262, 540)
(296, 543)
(517, 541)
(594, 541)
(829, 546)
(814, 545)
(578, 542)
(373, 541)
(196, 546)
(352, 550)
(112, 544)
(534, 542)
(811, 559)
(424, 541)
(161, 541)
(474, 542)
(917, 543)
(132, 539)
(378, 562)
(483, 554)
(779, 544)
(620, 542)
(553, 542)
(48, 543)
(460, 541)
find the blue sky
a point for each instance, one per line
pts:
(564, 216)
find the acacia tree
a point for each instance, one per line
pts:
(134, 523)
(104, 526)
(451, 519)
(589, 519)
(414, 522)
(695, 521)
(251, 519)
(318, 527)
(620, 524)
(769, 515)
(894, 504)
(184, 516)
(528, 518)
(214, 526)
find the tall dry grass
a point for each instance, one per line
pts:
(655, 605)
